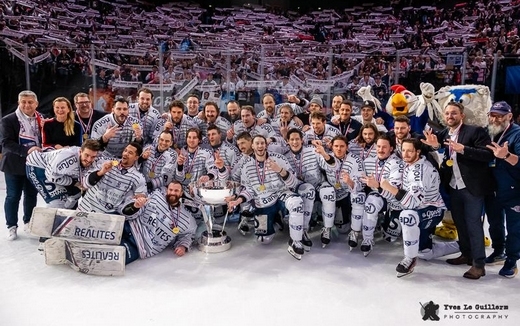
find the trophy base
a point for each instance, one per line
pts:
(217, 242)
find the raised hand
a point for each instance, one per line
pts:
(431, 139)
(111, 132)
(219, 162)
(499, 151)
(273, 166)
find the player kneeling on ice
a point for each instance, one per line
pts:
(422, 204)
(154, 223)
(268, 179)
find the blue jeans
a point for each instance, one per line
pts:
(16, 184)
(467, 211)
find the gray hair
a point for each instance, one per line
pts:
(27, 94)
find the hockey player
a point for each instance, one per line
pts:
(115, 131)
(268, 179)
(177, 123)
(113, 183)
(286, 121)
(305, 165)
(342, 170)
(156, 222)
(272, 111)
(228, 152)
(364, 144)
(249, 123)
(387, 166)
(198, 164)
(160, 162)
(57, 174)
(145, 113)
(210, 115)
(321, 130)
(422, 204)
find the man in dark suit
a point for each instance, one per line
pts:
(20, 135)
(466, 175)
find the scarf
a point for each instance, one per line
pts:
(30, 129)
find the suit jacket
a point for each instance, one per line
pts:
(13, 154)
(473, 164)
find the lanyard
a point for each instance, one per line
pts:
(502, 136)
(86, 127)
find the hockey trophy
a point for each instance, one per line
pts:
(209, 195)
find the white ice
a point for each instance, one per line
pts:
(250, 284)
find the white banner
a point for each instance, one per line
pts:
(104, 64)
(126, 84)
(40, 58)
(186, 89)
(260, 84)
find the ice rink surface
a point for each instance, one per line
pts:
(250, 284)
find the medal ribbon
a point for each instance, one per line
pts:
(154, 164)
(86, 127)
(191, 162)
(261, 176)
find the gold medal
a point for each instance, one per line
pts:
(115, 163)
(135, 125)
(151, 174)
(337, 185)
(85, 136)
(449, 162)
(176, 230)
(187, 175)
(175, 146)
(261, 188)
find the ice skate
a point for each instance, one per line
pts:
(353, 239)
(406, 266)
(243, 227)
(325, 237)
(306, 241)
(296, 249)
(366, 247)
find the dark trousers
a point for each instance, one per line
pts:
(16, 185)
(467, 214)
(496, 219)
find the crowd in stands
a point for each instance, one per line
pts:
(293, 51)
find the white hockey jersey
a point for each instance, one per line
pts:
(420, 186)
(110, 193)
(159, 168)
(62, 166)
(350, 164)
(199, 163)
(263, 185)
(390, 169)
(157, 225)
(148, 119)
(305, 165)
(123, 136)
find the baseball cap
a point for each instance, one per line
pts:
(368, 103)
(501, 108)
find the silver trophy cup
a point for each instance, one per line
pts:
(212, 194)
